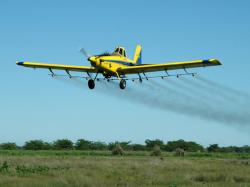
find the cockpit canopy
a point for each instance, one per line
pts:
(120, 51)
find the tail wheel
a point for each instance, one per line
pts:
(91, 84)
(122, 84)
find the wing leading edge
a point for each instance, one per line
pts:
(168, 66)
(58, 66)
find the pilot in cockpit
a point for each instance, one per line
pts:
(120, 51)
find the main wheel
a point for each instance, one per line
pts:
(122, 84)
(91, 84)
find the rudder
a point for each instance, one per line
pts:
(137, 56)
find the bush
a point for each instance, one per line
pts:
(117, 150)
(213, 148)
(63, 144)
(156, 151)
(8, 146)
(151, 143)
(23, 170)
(209, 178)
(36, 145)
(4, 167)
(124, 145)
(179, 152)
(138, 147)
(98, 146)
(82, 144)
(186, 146)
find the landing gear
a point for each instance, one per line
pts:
(91, 84)
(123, 84)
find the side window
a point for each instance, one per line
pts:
(125, 54)
(120, 51)
(117, 50)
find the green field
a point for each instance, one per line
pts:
(100, 168)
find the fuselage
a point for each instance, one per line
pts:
(108, 65)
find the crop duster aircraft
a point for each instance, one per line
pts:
(117, 65)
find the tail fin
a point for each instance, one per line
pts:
(137, 56)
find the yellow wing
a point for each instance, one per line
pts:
(168, 66)
(58, 66)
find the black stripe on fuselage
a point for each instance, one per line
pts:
(126, 63)
(121, 62)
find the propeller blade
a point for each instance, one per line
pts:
(85, 53)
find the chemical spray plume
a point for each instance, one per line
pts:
(223, 87)
(168, 98)
(193, 106)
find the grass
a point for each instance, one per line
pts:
(99, 168)
(127, 153)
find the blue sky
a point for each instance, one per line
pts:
(34, 106)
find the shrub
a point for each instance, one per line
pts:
(151, 143)
(22, 169)
(179, 152)
(213, 148)
(209, 178)
(8, 146)
(240, 179)
(138, 147)
(124, 145)
(82, 144)
(63, 144)
(156, 151)
(36, 145)
(187, 146)
(98, 146)
(117, 150)
(4, 167)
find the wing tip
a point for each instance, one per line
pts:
(213, 61)
(20, 63)
(216, 62)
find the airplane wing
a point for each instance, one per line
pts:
(168, 66)
(58, 66)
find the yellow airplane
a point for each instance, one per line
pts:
(117, 65)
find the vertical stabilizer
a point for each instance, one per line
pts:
(137, 56)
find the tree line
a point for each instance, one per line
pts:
(82, 144)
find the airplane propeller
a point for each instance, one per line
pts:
(85, 53)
